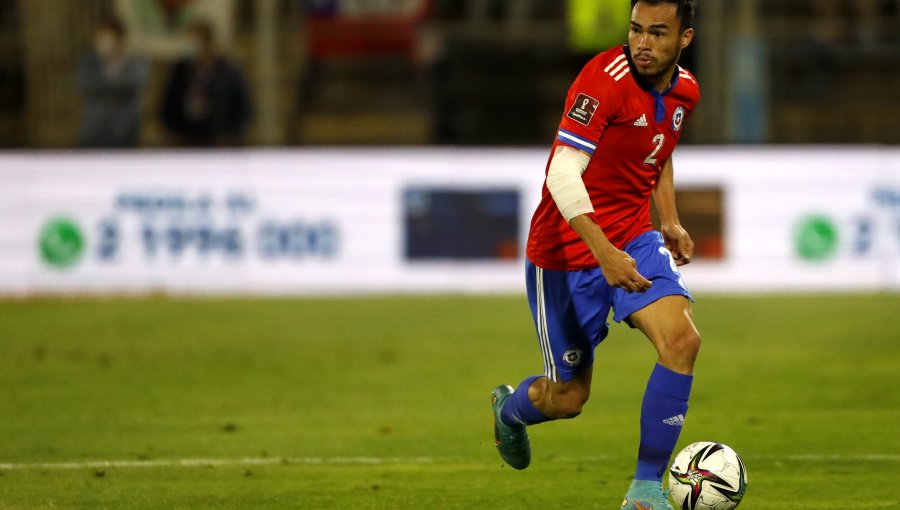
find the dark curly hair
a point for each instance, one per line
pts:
(686, 10)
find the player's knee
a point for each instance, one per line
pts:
(571, 409)
(684, 345)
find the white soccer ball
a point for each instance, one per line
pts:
(707, 476)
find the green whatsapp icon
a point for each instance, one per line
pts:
(816, 238)
(61, 243)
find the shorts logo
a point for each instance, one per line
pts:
(678, 118)
(583, 110)
(572, 357)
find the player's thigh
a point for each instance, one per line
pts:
(654, 262)
(663, 312)
(667, 322)
(569, 310)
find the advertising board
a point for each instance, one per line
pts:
(353, 221)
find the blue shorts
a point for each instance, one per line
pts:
(570, 308)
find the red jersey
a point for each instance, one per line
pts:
(631, 130)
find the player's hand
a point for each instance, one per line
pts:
(620, 270)
(679, 243)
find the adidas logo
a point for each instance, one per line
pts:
(675, 421)
(642, 122)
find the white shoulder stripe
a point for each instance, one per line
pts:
(614, 63)
(682, 72)
(618, 68)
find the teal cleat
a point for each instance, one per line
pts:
(512, 442)
(646, 495)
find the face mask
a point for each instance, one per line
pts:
(105, 44)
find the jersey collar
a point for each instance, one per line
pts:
(658, 97)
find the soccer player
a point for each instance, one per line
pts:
(591, 247)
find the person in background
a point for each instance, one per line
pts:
(110, 82)
(206, 103)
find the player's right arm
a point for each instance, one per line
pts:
(570, 194)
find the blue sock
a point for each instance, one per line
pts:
(518, 408)
(662, 416)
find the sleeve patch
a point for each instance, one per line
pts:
(583, 110)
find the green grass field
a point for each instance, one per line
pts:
(383, 403)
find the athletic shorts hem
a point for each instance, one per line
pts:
(624, 313)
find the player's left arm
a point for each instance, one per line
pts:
(678, 241)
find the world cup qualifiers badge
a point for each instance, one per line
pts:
(678, 118)
(583, 109)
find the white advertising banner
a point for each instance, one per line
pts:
(801, 219)
(364, 221)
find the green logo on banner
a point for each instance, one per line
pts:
(61, 243)
(817, 238)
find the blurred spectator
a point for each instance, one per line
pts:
(206, 102)
(110, 82)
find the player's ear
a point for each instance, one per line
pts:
(686, 37)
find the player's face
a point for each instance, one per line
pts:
(656, 40)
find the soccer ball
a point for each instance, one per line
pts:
(707, 476)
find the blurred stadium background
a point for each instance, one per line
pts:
(423, 72)
(168, 303)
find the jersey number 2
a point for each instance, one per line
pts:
(658, 140)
